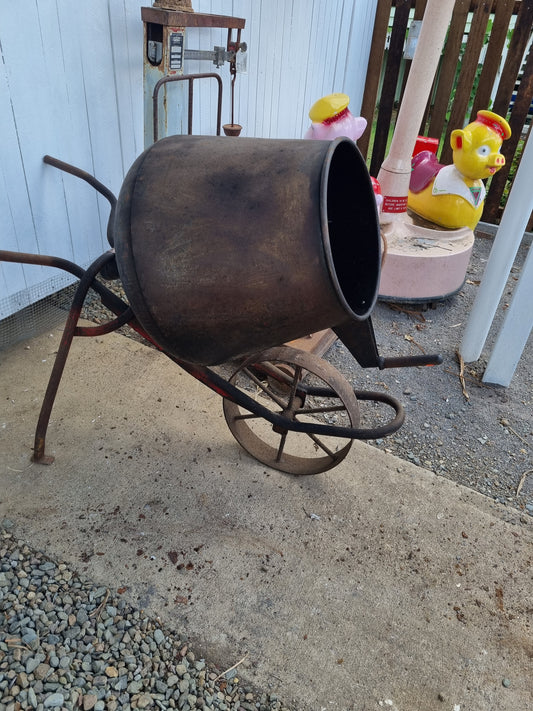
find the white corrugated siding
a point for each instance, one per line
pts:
(71, 86)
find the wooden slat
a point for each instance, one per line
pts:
(420, 8)
(316, 343)
(502, 15)
(517, 120)
(522, 104)
(467, 73)
(448, 68)
(473, 3)
(176, 18)
(390, 81)
(375, 62)
(520, 38)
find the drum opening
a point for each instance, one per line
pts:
(351, 228)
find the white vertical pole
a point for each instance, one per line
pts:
(515, 330)
(506, 243)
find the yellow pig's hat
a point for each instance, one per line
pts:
(495, 122)
(328, 106)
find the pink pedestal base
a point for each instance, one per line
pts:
(423, 264)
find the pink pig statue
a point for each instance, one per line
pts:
(331, 117)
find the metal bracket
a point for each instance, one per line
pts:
(218, 55)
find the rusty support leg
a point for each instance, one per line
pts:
(61, 358)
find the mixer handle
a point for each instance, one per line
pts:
(360, 339)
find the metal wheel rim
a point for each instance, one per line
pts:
(302, 365)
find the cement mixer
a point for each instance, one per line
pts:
(227, 249)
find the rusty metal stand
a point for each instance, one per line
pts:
(280, 422)
(289, 377)
(66, 340)
(110, 300)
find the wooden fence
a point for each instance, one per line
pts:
(472, 75)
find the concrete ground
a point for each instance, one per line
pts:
(374, 585)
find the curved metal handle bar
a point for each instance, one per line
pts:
(391, 426)
(96, 184)
(190, 78)
(79, 173)
(113, 302)
(42, 260)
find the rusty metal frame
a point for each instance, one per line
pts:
(190, 78)
(366, 352)
(88, 279)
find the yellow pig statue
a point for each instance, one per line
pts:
(453, 196)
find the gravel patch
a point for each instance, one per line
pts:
(67, 644)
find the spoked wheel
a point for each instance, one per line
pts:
(301, 388)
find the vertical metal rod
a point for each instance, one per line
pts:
(219, 108)
(233, 99)
(189, 127)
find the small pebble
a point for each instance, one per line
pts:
(89, 701)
